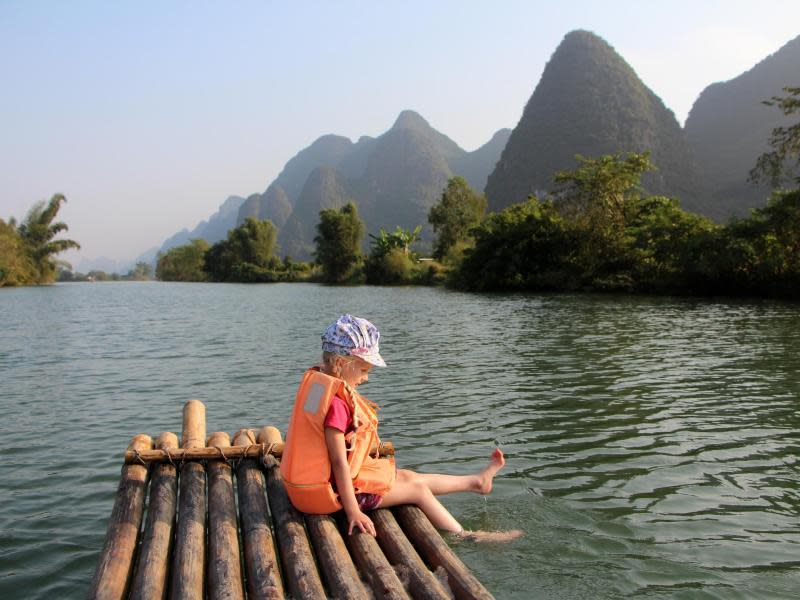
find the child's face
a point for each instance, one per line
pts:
(356, 371)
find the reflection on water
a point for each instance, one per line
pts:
(652, 442)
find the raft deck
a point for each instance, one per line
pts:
(218, 524)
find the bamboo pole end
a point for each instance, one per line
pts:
(167, 441)
(194, 424)
(219, 439)
(269, 435)
(244, 437)
(195, 405)
(140, 442)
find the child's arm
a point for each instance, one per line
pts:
(334, 440)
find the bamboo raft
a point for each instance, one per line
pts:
(218, 524)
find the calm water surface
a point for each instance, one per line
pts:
(652, 442)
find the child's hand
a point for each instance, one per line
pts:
(362, 521)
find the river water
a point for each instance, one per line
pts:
(652, 443)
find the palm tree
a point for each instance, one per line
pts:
(401, 238)
(37, 232)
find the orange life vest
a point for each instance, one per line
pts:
(305, 464)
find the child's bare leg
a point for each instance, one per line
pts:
(409, 491)
(491, 536)
(480, 483)
(420, 489)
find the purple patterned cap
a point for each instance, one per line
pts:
(353, 336)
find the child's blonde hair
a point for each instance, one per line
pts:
(332, 363)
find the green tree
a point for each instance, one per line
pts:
(783, 161)
(402, 239)
(595, 198)
(245, 255)
(391, 260)
(527, 246)
(338, 243)
(98, 275)
(666, 244)
(459, 209)
(759, 255)
(140, 272)
(390, 268)
(16, 266)
(183, 263)
(595, 194)
(38, 233)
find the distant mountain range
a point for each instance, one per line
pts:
(213, 230)
(589, 101)
(394, 179)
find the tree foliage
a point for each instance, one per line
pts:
(393, 267)
(391, 261)
(141, 271)
(459, 209)
(525, 246)
(664, 244)
(245, 255)
(28, 251)
(604, 235)
(183, 263)
(400, 239)
(596, 193)
(759, 255)
(338, 243)
(783, 161)
(595, 199)
(16, 266)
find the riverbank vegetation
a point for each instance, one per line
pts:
(141, 271)
(28, 250)
(246, 255)
(599, 232)
(596, 231)
(622, 240)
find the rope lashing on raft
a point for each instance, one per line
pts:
(267, 450)
(138, 458)
(169, 458)
(231, 454)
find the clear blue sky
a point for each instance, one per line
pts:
(147, 115)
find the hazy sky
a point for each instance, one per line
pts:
(147, 115)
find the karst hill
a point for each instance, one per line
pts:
(729, 127)
(589, 101)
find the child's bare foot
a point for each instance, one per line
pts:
(485, 477)
(490, 536)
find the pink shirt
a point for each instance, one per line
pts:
(339, 416)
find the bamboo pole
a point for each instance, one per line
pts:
(302, 577)
(190, 543)
(224, 563)
(422, 584)
(437, 553)
(335, 563)
(372, 563)
(261, 563)
(150, 579)
(252, 451)
(114, 569)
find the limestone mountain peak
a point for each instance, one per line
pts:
(589, 101)
(409, 119)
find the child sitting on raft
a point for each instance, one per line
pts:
(327, 465)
